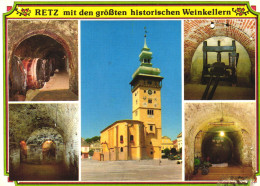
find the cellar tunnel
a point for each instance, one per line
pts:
(43, 141)
(222, 145)
(43, 46)
(222, 134)
(43, 60)
(45, 145)
(48, 150)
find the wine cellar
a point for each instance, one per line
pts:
(43, 141)
(223, 135)
(219, 59)
(43, 60)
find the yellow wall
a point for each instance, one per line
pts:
(140, 102)
(166, 143)
(112, 144)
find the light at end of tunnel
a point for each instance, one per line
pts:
(222, 133)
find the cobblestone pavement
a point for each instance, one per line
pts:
(143, 170)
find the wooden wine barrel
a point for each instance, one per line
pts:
(47, 71)
(52, 66)
(35, 69)
(17, 77)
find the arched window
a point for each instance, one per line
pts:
(121, 139)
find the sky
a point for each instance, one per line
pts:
(110, 55)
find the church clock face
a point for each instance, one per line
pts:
(150, 92)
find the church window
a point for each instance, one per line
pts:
(154, 92)
(150, 112)
(151, 128)
(121, 139)
(151, 152)
(131, 138)
(136, 113)
(144, 91)
(121, 149)
(150, 101)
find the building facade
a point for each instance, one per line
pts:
(179, 141)
(139, 138)
(167, 143)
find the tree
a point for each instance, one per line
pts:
(173, 151)
(166, 152)
(93, 139)
(91, 152)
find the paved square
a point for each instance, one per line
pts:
(131, 170)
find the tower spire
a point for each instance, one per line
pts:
(145, 31)
(145, 56)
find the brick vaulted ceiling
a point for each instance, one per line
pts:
(197, 31)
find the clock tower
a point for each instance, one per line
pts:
(146, 101)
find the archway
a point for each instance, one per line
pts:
(23, 151)
(198, 30)
(43, 45)
(224, 135)
(45, 145)
(223, 145)
(48, 151)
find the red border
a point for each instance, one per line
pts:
(7, 97)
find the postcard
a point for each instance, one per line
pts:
(138, 92)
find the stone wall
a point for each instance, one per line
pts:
(36, 123)
(60, 34)
(36, 140)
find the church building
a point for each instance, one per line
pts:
(139, 138)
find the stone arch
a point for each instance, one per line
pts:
(239, 123)
(47, 33)
(36, 141)
(65, 32)
(48, 150)
(196, 31)
(43, 44)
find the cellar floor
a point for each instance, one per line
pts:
(56, 89)
(226, 173)
(40, 172)
(56, 95)
(195, 92)
(60, 80)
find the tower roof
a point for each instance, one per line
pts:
(145, 58)
(145, 54)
